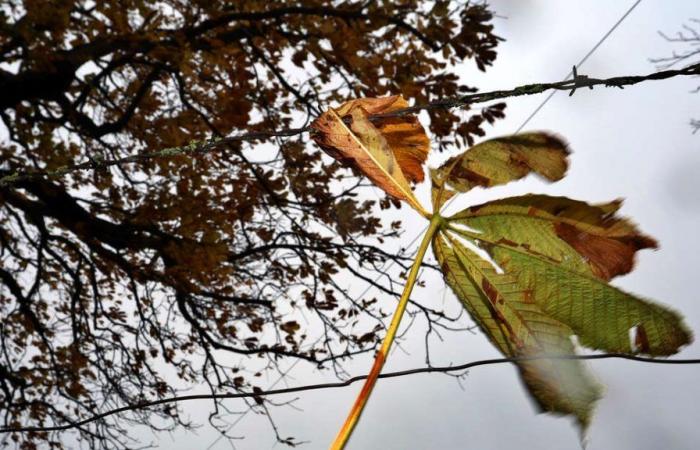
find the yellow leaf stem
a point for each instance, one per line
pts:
(344, 434)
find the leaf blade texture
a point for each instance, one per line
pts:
(533, 271)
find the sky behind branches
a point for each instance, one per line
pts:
(634, 143)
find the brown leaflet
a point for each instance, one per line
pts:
(404, 135)
(389, 151)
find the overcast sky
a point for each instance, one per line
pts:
(634, 143)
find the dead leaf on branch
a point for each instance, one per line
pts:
(390, 151)
(546, 279)
(290, 327)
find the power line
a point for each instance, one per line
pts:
(203, 147)
(340, 384)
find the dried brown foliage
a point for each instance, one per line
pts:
(124, 284)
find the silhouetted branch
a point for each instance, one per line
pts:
(348, 382)
(206, 146)
(695, 124)
(687, 35)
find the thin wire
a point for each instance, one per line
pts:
(339, 384)
(580, 63)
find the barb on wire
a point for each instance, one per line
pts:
(311, 387)
(205, 146)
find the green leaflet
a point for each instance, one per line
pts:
(567, 280)
(518, 327)
(499, 161)
(554, 258)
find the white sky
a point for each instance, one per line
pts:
(634, 143)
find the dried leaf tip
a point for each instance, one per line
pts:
(389, 150)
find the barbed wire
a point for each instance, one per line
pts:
(582, 61)
(257, 394)
(208, 145)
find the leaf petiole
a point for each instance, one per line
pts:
(354, 415)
